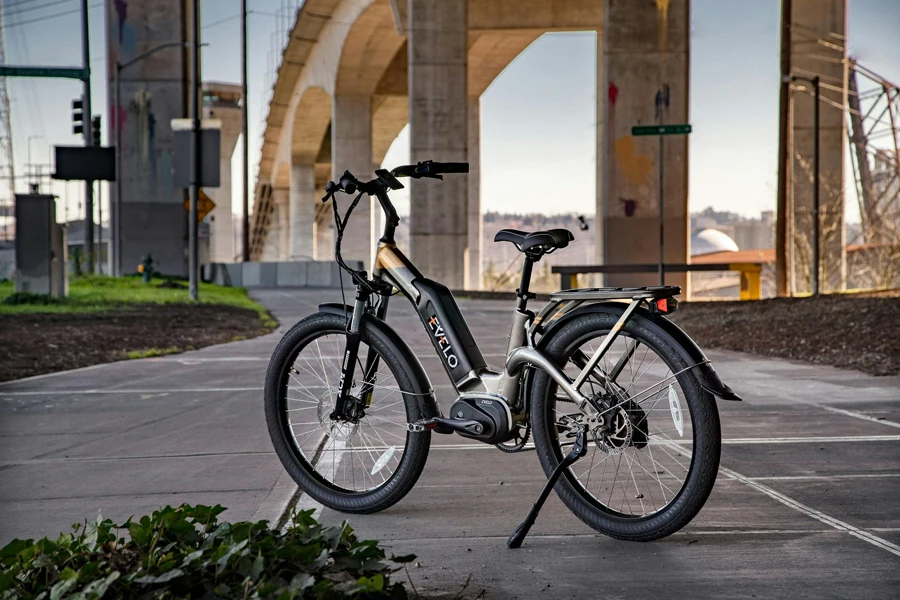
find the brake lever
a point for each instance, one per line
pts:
(330, 188)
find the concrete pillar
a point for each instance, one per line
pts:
(281, 226)
(816, 20)
(474, 266)
(302, 245)
(437, 55)
(351, 149)
(642, 79)
(324, 230)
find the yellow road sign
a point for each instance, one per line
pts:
(204, 205)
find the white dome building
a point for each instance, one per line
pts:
(709, 241)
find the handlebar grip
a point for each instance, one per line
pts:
(451, 167)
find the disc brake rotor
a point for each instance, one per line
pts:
(618, 432)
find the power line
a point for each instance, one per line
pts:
(32, 8)
(48, 17)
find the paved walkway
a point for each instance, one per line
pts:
(805, 505)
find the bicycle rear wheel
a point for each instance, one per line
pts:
(655, 445)
(359, 466)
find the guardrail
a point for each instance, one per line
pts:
(751, 280)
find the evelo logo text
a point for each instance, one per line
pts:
(437, 330)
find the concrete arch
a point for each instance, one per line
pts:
(489, 53)
(370, 46)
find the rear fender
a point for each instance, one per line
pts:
(690, 352)
(427, 404)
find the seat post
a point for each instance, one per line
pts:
(522, 294)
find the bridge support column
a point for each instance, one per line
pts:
(351, 149)
(815, 21)
(303, 212)
(437, 58)
(642, 79)
(281, 220)
(474, 265)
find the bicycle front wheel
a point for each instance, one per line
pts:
(359, 466)
(655, 442)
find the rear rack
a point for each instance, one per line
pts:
(617, 293)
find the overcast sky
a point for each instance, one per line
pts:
(537, 117)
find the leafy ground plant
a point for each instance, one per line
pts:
(185, 552)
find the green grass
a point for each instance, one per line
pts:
(151, 352)
(98, 293)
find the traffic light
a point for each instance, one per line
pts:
(95, 131)
(78, 117)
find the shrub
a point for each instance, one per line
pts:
(186, 552)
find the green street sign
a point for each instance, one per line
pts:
(65, 72)
(681, 129)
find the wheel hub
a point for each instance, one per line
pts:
(337, 429)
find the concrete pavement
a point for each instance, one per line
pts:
(805, 505)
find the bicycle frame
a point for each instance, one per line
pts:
(392, 266)
(459, 353)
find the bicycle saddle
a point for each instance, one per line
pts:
(546, 240)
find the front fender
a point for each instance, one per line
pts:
(428, 406)
(688, 349)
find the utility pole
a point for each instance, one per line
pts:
(88, 139)
(193, 267)
(782, 210)
(816, 260)
(245, 227)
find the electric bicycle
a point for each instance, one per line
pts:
(619, 400)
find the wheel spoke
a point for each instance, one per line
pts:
(369, 460)
(635, 468)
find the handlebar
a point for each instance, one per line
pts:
(429, 168)
(350, 184)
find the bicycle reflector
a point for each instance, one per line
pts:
(664, 306)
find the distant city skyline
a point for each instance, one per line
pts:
(538, 117)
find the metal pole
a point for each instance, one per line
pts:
(100, 228)
(117, 217)
(815, 245)
(245, 227)
(782, 210)
(195, 155)
(88, 141)
(662, 265)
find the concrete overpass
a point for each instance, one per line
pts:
(355, 72)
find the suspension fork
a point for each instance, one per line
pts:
(351, 353)
(372, 362)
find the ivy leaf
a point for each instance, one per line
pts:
(164, 578)
(61, 588)
(302, 582)
(14, 548)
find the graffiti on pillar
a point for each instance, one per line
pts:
(634, 168)
(662, 102)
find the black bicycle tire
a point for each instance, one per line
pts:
(415, 452)
(706, 427)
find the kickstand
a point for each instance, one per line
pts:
(579, 449)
